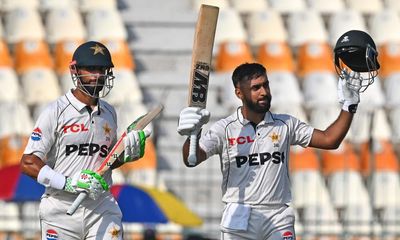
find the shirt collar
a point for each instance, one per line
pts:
(267, 118)
(78, 105)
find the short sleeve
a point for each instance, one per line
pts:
(301, 132)
(44, 133)
(212, 141)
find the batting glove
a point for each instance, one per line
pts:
(86, 181)
(191, 119)
(348, 91)
(135, 142)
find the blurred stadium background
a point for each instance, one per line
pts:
(349, 193)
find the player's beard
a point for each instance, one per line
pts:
(255, 106)
(93, 90)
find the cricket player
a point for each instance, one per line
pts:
(254, 143)
(71, 138)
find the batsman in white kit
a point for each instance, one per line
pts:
(253, 143)
(70, 140)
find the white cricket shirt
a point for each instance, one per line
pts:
(255, 158)
(69, 136)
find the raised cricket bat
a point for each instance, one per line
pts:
(201, 65)
(139, 124)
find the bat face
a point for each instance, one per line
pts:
(201, 75)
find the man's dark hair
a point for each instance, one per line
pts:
(247, 71)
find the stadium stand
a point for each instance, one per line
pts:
(381, 21)
(326, 7)
(64, 24)
(89, 5)
(98, 19)
(8, 5)
(9, 78)
(231, 54)
(16, 21)
(286, 88)
(230, 28)
(32, 54)
(219, 3)
(392, 4)
(318, 90)
(365, 6)
(342, 159)
(127, 88)
(258, 21)
(62, 54)
(321, 220)
(46, 5)
(314, 57)
(5, 57)
(122, 56)
(390, 220)
(11, 148)
(349, 193)
(243, 7)
(299, 24)
(288, 6)
(10, 225)
(32, 82)
(16, 118)
(343, 21)
(389, 56)
(277, 56)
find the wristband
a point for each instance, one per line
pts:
(50, 178)
(352, 108)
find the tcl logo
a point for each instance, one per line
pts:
(74, 128)
(240, 140)
(256, 159)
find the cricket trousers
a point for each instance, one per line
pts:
(100, 219)
(265, 223)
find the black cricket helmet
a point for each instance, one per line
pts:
(94, 57)
(355, 51)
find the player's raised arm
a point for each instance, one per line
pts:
(357, 66)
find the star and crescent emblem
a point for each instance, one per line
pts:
(274, 137)
(107, 129)
(114, 232)
(97, 49)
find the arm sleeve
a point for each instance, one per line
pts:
(43, 135)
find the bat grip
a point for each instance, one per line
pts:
(76, 203)
(192, 159)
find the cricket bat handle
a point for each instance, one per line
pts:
(192, 158)
(76, 203)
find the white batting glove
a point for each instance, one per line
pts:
(348, 91)
(191, 119)
(135, 142)
(86, 181)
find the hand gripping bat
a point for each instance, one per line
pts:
(139, 124)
